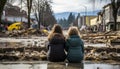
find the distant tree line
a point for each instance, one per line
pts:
(72, 20)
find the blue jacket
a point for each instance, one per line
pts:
(75, 49)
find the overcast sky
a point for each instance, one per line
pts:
(76, 5)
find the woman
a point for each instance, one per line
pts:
(74, 46)
(56, 45)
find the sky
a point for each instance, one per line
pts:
(59, 6)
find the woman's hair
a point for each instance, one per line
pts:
(56, 29)
(73, 31)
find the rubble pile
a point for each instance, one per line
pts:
(17, 51)
(28, 32)
(111, 38)
(102, 53)
(37, 51)
(115, 41)
(22, 53)
(40, 53)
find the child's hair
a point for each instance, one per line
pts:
(73, 31)
(56, 29)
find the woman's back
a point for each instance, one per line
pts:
(74, 46)
(56, 46)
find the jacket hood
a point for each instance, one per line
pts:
(57, 39)
(74, 40)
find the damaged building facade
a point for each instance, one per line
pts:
(14, 13)
(105, 19)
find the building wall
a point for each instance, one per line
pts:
(93, 21)
(108, 14)
(99, 19)
(81, 21)
(85, 20)
(17, 19)
(88, 19)
(118, 19)
(108, 19)
(14, 13)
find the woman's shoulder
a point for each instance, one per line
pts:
(57, 36)
(74, 37)
(57, 39)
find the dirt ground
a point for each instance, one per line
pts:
(17, 51)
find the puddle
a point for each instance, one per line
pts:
(59, 66)
(101, 66)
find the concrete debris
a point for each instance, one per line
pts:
(23, 53)
(40, 53)
(109, 38)
(102, 54)
(28, 32)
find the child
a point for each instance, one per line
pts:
(74, 46)
(56, 45)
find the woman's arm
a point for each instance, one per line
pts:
(82, 47)
(67, 45)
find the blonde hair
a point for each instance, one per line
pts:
(56, 29)
(73, 31)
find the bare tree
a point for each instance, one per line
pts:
(43, 12)
(29, 7)
(2, 4)
(115, 6)
(38, 6)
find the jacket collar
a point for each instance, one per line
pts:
(74, 36)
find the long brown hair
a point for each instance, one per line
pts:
(73, 31)
(56, 29)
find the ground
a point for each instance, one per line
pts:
(98, 50)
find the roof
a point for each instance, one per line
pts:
(107, 5)
(11, 10)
